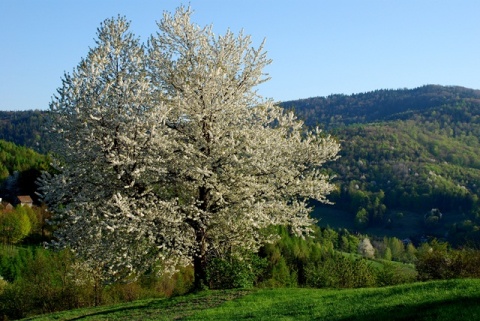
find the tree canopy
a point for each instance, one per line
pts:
(165, 151)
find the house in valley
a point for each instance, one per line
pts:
(25, 200)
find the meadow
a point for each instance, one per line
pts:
(435, 300)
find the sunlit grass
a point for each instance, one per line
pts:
(443, 300)
(448, 300)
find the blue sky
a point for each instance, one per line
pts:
(318, 47)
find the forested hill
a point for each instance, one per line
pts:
(19, 169)
(24, 128)
(380, 105)
(404, 153)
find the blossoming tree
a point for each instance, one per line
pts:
(165, 151)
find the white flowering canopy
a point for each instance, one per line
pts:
(166, 151)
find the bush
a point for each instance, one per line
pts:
(466, 263)
(434, 261)
(167, 284)
(232, 272)
(122, 292)
(282, 275)
(437, 261)
(15, 225)
(13, 259)
(339, 271)
(47, 282)
(43, 281)
(15, 303)
(3, 285)
(391, 274)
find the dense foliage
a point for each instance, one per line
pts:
(34, 278)
(19, 169)
(14, 158)
(406, 151)
(24, 128)
(377, 106)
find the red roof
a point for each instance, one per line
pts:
(25, 199)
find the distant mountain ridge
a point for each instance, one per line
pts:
(380, 105)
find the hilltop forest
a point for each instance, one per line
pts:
(409, 164)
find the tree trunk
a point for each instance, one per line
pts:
(200, 261)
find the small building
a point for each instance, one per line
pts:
(25, 200)
(6, 206)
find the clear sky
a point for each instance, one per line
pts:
(318, 47)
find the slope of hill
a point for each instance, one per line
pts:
(19, 168)
(404, 153)
(24, 128)
(412, 151)
(441, 300)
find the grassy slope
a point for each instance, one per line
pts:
(444, 300)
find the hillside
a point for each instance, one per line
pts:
(377, 106)
(404, 153)
(443, 300)
(19, 168)
(24, 128)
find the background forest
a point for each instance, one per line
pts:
(409, 164)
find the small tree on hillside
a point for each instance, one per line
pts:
(366, 248)
(15, 225)
(172, 154)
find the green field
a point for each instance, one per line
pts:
(441, 300)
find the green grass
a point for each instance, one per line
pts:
(441, 300)
(151, 309)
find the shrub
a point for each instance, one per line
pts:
(437, 261)
(13, 259)
(169, 284)
(339, 271)
(434, 261)
(122, 292)
(282, 275)
(47, 282)
(15, 225)
(391, 274)
(466, 263)
(233, 272)
(42, 281)
(15, 303)
(3, 285)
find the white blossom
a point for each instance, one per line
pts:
(167, 152)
